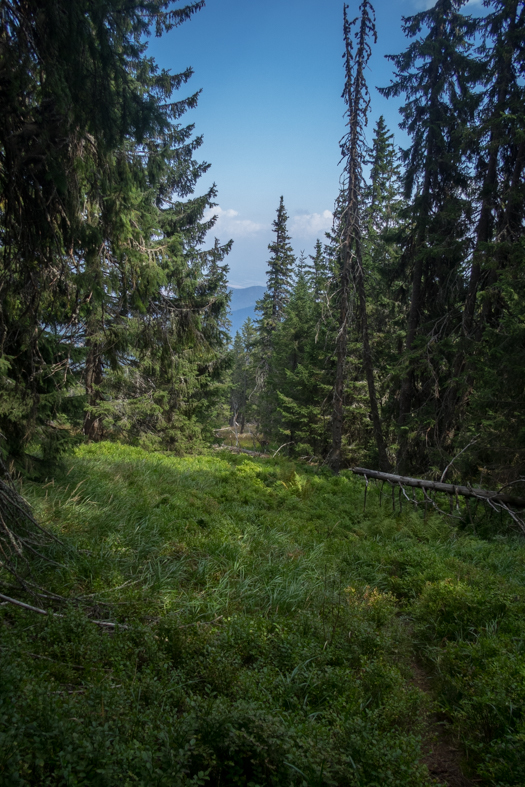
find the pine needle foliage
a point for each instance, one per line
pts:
(98, 238)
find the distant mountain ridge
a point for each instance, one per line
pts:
(242, 305)
(245, 296)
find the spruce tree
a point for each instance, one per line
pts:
(96, 229)
(382, 205)
(243, 377)
(318, 272)
(272, 308)
(382, 195)
(280, 265)
(437, 74)
(500, 157)
(303, 376)
(488, 383)
(279, 277)
(164, 381)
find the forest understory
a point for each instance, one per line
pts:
(271, 631)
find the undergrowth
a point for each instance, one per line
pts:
(268, 630)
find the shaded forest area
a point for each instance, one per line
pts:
(112, 312)
(398, 343)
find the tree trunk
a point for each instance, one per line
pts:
(459, 394)
(438, 486)
(93, 376)
(405, 394)
(384, 463)
(357, 99)
(340, 354)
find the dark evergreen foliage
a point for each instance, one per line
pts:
(272, 309)
(437, 74)
(244, 389)
(100, 260)
(279, 276)
(351, 272)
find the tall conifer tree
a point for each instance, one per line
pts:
(382, 225)
(318, 272)
(382, 196)
(272, 308)
(500, 156)
(303, 377)
(279, 277)
(99, 223)
(350, 257)
(437, 75)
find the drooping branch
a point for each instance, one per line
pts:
(20, 534)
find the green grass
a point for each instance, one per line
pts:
(271, 629)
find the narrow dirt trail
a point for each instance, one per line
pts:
(441, 756)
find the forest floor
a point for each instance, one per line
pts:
(272, 632)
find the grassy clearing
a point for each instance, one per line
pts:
(272, 629)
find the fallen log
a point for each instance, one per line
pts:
(235, 450)
(438, 486)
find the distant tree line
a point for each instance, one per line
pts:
(400, 340)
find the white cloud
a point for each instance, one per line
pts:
(311, 224)
(228, 222)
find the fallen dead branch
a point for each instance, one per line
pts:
(291, 442)
(438, 486)
(30, 608)
(447, 468)
(497, 501)
(234, 450)
(22, 538)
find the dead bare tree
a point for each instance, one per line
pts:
(351, 271)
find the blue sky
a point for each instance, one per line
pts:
(271, 112)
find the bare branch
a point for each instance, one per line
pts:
(456, 457)
(16, 603)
